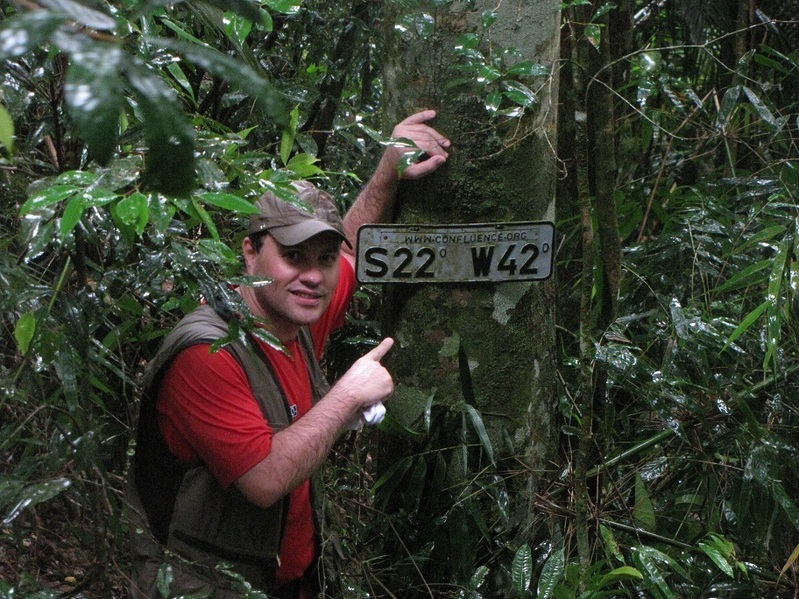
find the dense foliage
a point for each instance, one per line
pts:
(134, 136)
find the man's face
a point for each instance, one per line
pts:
(303, 278)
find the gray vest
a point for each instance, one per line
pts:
(187, 510)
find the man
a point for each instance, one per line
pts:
(229, 440)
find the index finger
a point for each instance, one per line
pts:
(418, 117)
(381, 350)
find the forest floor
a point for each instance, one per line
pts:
(51, 553)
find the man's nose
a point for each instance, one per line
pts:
(312, 275)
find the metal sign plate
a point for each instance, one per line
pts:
(498, 252)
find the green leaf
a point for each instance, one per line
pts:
(239, 28)
(284, 6)
(268, 100)
(133, 211)
(487, 74)
(621, 573)
(206, 219)
(163, 580)
(603, 10)
(479, 427)
(169, 165)
(47, 197)
(593, 34)
(467, 41)
(479, 577)
(228, 201)
(744, 278)
(493, 101)
(304, 166)
(246, 8)
(728, 103)
(218, 251)
(610, 542)
(762, 110)
(287, 139)
(73, 210)
(774, 322)
(81, 13)
(643, 511)
(786, 501)
(717, 558)
(26, 32)
(529, 68)
(522, 569)
(519, 93)
(747, 322)
(653, 578)
(93, 95)
(24, 330)
(488, 18)
(552, 574)
(6, 130)
(35, 494)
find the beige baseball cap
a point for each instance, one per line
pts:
(292, 224)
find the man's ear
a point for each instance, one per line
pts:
(248, 252)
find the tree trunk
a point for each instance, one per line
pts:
(489, 345)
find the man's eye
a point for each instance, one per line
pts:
(293, 256)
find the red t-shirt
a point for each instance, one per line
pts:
(207, 414)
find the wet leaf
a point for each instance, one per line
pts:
(551, 574)
(6, 130)
(622, 573)
(228, 201)
(518, 93)
(643, 511)
(529, 68)
(133, 211)
(93, 94)
(73, 210)
(266, 97)
(47, 197)
(479, 427)
(284, 6)
(24, 330)
(246, 8)
(26, 32)
(522, 569)
(717, 557)
(35, 494)
(81, 13)
(169, 165)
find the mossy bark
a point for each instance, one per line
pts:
(489, 344)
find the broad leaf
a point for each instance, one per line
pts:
(27, 32)
(81, 13)
(133, 211)
(73, 210)
(479, 427)
(551, 574)
(6, 130)
(24, 330)
(47, 197)
(94, 95)
(35, 494)
(228, 201)
(170, 159)
(519, 94)
(522, 569)
(242, 76)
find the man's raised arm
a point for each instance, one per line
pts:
(376, 202)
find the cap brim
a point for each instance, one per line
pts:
(296, 234)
